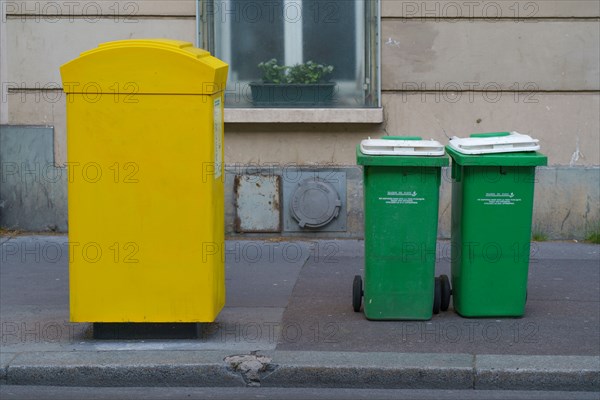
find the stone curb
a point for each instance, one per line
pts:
(301, 369)
(575, 373)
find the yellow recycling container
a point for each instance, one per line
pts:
(145, 163)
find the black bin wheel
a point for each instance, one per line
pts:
(446, 292)
(357, 293)
(437, 296)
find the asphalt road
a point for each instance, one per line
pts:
(135, 393)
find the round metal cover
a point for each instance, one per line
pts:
(315, 203)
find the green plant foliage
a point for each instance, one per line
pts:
(272, 71)
(539, 236)
(308, 73)
(594, 236)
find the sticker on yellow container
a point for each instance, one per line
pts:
(218, 118)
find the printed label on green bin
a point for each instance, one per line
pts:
(402, 198)
(218, 123)
(500, 199)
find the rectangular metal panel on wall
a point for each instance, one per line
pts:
(33, 192)
(257, 203)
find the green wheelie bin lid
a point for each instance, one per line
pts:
(496, 149)
(529, 159)
(401, 151)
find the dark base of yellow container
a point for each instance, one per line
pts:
(145, 330)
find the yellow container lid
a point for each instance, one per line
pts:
(145, 66)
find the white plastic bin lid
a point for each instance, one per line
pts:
(502, 142)
(396, 146)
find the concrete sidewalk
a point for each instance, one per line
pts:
(289, 322)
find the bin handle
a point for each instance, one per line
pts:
(402, 138)
(490, 135)
(456, 172)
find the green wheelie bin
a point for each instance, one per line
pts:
(493, 179)
(401, 193)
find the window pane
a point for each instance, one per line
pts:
(336, 21)
(256, 33)
(248, 32)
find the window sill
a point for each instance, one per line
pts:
(304, 115)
